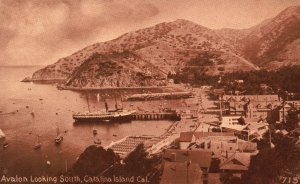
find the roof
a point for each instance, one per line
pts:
(214, 178)
(176, 173)
(200, 157)
(238, 161)
(188, 136)
(255, 126)
(247, 146)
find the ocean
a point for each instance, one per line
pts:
(29, 110)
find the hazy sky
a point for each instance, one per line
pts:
(42, 31)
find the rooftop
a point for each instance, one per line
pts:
(237, 161)
(200, 157)
(188, 136)
(181, 173)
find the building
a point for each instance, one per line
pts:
(181, 173)
(257, 98)
(235, 123)
(201, 158)
(249, 109)
(236, 163)
(186, 138)
(283, 112)
(294, 103)
(255, 130)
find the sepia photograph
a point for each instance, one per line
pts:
(150, 91)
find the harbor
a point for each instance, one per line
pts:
(157, 144)
(24, 117)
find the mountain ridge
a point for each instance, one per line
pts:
(172, 46)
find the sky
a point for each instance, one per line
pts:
(39, 32)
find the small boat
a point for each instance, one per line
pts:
(95, 131)
(97, 141)
(48, 163)
(5, 145)
(38, 144)
(58, 138)
(2, 135)
(114, 135)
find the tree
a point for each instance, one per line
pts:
(137, 162)
(94, 160)
(270, 163)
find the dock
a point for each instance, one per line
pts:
(158, 96)
(157, 116)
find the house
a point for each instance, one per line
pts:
(214, 178)
(181, 173)
(236, 163)
(249, 108)
(219, 145)
(201, 158)
(294, 103)
(239, 81)
(186, 138)
(283, 112)
(256, 130)
(257, 98)
(233, 123)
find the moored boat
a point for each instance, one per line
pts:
(2, 135)
(58, 138)
(95, 131)
(38, 144)
(5, 145)
(104, 116)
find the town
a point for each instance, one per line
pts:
(217, 137)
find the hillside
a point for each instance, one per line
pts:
(145, 57)
(275, 43)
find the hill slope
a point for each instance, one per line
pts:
(146, 56)
(275, 43)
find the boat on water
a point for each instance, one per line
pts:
(58, 138)
(95, 131)
(5, 145)
(38, 144)
(97, 141)
(2, 135)
(104, 116)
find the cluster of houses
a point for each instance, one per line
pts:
(203, 156)
(259, 107)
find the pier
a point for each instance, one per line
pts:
(158, 96)
(157, 116)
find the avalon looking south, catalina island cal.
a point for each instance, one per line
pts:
(150, 91)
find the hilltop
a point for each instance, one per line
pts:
(145, 57)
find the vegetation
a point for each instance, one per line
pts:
(270, 164)
(95, 161)
(204, 59)
(286, 78)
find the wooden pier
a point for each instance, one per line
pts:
(157, 116)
